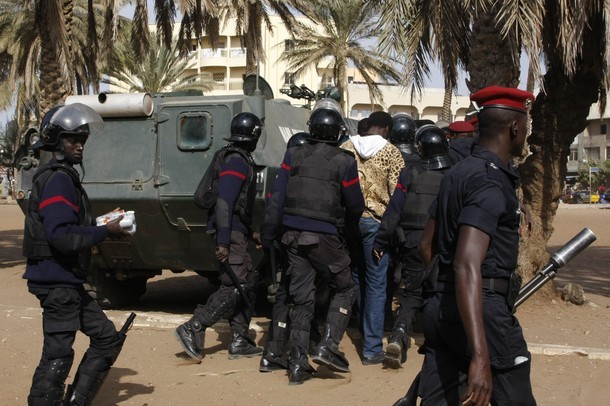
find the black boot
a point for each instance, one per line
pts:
(242, 346)
(327, 353)
(191, 336)
(314, 336)
(396, 351)
(299, 369)
(272, 362)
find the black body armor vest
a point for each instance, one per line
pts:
(35, 245)
(314, 184)
(422, 189)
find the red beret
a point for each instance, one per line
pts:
(461, 127)
(503, 97)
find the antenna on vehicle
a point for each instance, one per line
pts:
(257, 91)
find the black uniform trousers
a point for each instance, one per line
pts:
(241, 264)
(444, 374)
(410, 300)
(310, 253)
(64, 312)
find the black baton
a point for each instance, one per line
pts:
(123, 331)
(229, 270)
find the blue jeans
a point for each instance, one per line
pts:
(372, 304)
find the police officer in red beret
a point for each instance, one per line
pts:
(461, 129)
(475, 352)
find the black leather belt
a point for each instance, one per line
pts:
(490, 285)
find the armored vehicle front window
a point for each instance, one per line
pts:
(194, 132)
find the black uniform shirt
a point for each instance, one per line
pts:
(479, 192)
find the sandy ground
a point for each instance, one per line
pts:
(571, 362)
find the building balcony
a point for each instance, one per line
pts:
(595, 140)
(231, 85)
(230, 57)
(572, 166)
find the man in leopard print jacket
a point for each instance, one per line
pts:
(379, 164)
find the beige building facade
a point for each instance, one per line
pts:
(226, 66)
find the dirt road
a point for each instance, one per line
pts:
(152, 370)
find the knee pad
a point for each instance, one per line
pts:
(56, 372)
(222, 301)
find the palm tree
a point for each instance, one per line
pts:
(201, 17)
(249, 18)
(60, 55)
(572, 36)
(161, 70)
(20, 49)
(574, 41)
(342, 27)
(426, 31)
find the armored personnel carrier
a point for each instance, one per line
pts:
(149, 158)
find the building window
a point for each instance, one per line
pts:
(194, 131)
(603, 129)
(350, 79)
(573, 155)
(607, 153)
(218, 76)
(289, 78)
(288, 45)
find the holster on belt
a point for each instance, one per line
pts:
(514, 286)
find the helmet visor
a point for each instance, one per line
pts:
(328, 103)
(75, 115)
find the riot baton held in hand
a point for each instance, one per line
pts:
(229, 270)
(127, 324)
(558, 260)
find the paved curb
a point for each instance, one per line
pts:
(166, 321)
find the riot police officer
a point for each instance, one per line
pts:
(402, 226)
(58, 236)
(273, 357)
(403, 136)
(316, 190)
(229, 220)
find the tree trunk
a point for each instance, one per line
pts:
(52, 85)
(492, 60)
(253, 37)
(558, 116)
(446, 111)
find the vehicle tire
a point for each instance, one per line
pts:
(111, 293)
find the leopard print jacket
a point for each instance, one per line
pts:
(378, 177)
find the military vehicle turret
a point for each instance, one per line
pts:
(149, 158)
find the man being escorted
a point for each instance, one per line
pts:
(230, 217)
(59, 234)
(474, 348)
(316, 192)
(402, 225)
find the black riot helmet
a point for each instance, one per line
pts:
(403, 131)
(433, 147)
(297, 140)
(62, 121)
(326, 125)
(245, 127)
